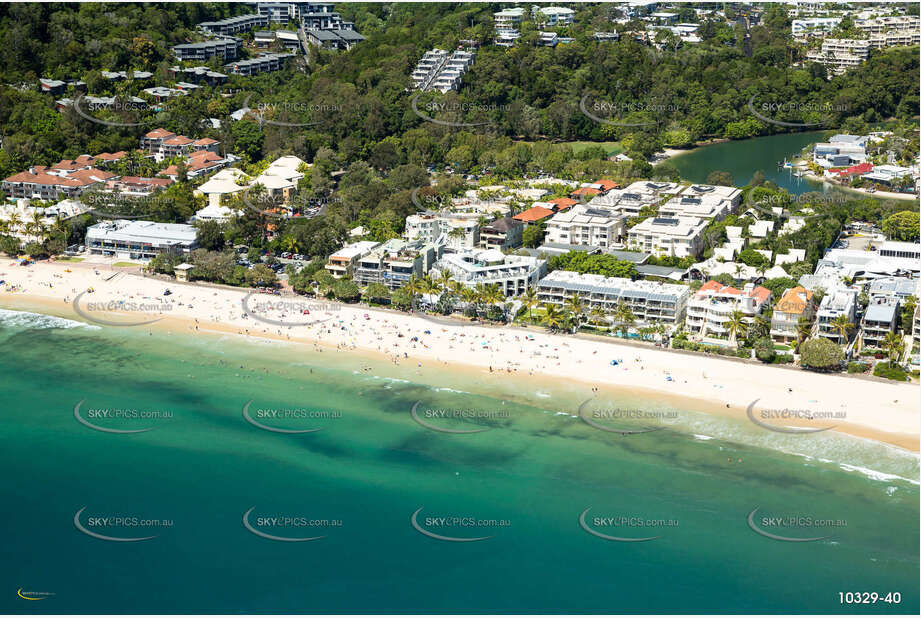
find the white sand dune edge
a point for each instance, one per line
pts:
(885, 411)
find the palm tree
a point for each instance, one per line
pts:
(35, 227)
(760, 326)
(441, 279)
(576, 308)
(894, 345)
(429, 286)
(529, 300)
(469, 296)
(598, 316)
(414, 287)
(457, 233)
(803, 330)
(841, 326)
(291, 244)
(455, 287)
(492, 295)
(736, 326)
(14, 221)
(625, 318)
(553, 317)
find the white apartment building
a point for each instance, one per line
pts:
(513, 274)
(654, 189)
(674, 236)
(585, 225)
(895, 38)
(140, 240)
(840, 54)
(439, 70)
(712, 306)
(342, 262)
(899, 249)
(727, 194)
(506, 37)
(814, 26)
(854, 47)
(454, 230)
(880, 319)
(882, 25)
(624, 201)
(507, 23)
(553, 16)
(649, 301)
(508, 18)
(395, 262)
(427, 68)
(547, 39)
(839, 301)
(709, 207)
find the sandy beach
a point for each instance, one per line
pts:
(882, 411)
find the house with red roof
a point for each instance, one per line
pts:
(152, 140)
(164, 144)
(71, 165)
(850, 172)
(45, 183)
(712, 307)
(535, 214)
(199, 162)
(136, 186)
(591, 189)
(108, 158)
(176, 146)
(563, 203)
(606, 185)
(584, 192)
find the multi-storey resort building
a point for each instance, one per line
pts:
(649, 301)
(712, 306)
(513, 274)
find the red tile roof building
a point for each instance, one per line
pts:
(199, 162)
(854, 170)
(563, 203)
(137, 185)
(46, 183)
(535, 214)
(165, 144)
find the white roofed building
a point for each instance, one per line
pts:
(672, 236)
(140, 240)
(513, 274)
(650, 301)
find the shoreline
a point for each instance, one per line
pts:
(880, 195)
(882, 412)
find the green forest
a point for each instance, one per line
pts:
(360, 102)
(358, 108)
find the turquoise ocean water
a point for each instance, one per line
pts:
(358, 481)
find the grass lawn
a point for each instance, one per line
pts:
(68, 259)
(125, 264)
(612, 148)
